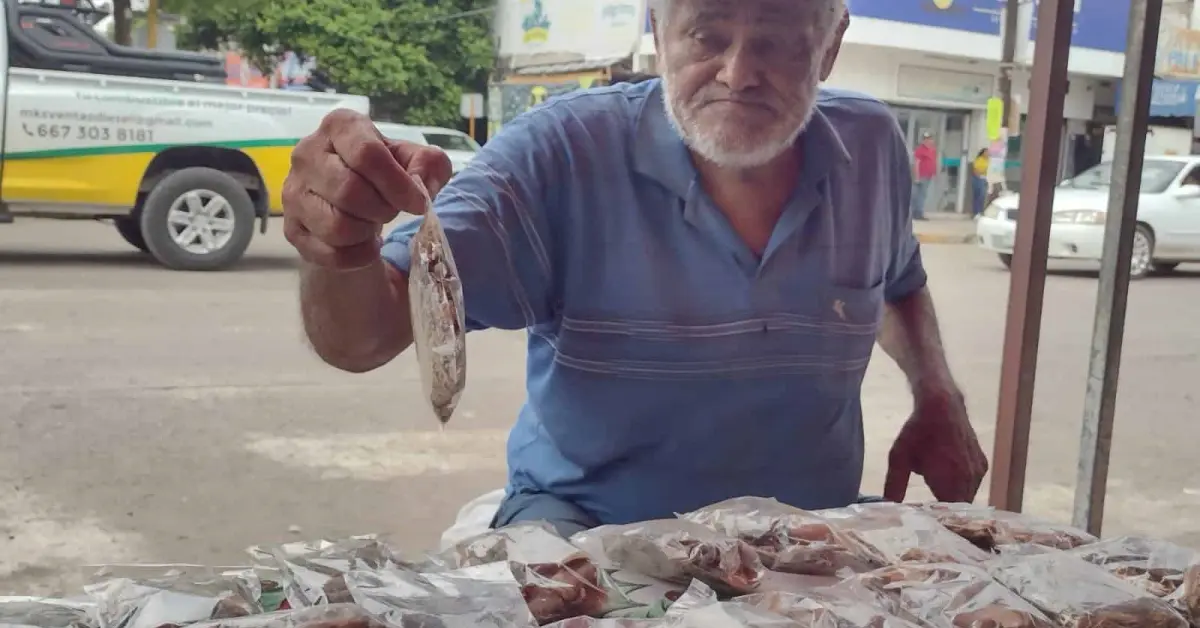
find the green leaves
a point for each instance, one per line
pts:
(413, 58)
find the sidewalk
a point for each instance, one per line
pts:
(945, 228)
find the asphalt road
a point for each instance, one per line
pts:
(148, 415)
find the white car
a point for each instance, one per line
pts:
(458, 146)
(1168, 229)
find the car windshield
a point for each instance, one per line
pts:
(1157, 175)
(449, 141)
(395, 132)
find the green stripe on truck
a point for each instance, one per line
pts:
(141, 148)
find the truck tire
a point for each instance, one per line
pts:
(198, 219)
(130, 229)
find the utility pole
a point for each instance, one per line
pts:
(152, 25)
(1008, 55)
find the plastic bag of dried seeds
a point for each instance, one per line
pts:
(438, 318)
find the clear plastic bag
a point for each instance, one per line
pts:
(313, 572)
(902, 534)
(475, 597)
(438, 317)
(41, 612)
(699, 607)
(532, 542)
(948, 596)
(824, 608)
(1158, 567)
(789, 539)
(148, 596)
(988, 528)
(1078, 594)
(676, 550)
(558, 580)
(328, 616)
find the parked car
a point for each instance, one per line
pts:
(1168, 214)
(458, 145)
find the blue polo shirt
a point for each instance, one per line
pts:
(669, 367)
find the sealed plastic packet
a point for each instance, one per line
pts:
(485, 596)
(990, 529)
(328, 616)
(41, 612)
(148, 596)
(1078, 594)
(558, 580)
(824, 608)
(1159, 567)
(901, 534)
(438, 317)
(789, 539)
(699, 607)
(947, 596)
(677, 550)
(313, 572)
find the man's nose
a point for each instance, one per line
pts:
(740, 68)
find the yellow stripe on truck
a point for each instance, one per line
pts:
(111, 175)
(84, 179)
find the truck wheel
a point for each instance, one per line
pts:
(198, 219)
(130, 229)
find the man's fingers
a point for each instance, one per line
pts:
(430, 165)
(364, 152)
(314, 251)
(899, 472)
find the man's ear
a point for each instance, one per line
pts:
(835, 47)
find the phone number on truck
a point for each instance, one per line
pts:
(88, 132)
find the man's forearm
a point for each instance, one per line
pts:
(355, 320)
(909, 334)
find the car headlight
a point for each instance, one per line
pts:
(992, 212)
(1079, 217)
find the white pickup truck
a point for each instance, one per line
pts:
(184, 165)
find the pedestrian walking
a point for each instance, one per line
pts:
(924, 170)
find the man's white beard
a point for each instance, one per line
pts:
(720, 145)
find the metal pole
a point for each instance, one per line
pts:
(1107, 334)
(1039, 176)
(1008, 55)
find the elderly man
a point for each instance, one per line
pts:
(702, 264)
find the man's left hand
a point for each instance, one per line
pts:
(939, 444)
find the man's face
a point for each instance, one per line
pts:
(741, 77)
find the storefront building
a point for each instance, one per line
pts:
(937, 62)
(550, 47)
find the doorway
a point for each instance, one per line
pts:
(951, 135)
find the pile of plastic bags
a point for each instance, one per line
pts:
(745, 562)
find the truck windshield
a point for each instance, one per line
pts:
(1157, 175)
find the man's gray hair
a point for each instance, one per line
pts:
(660, 9)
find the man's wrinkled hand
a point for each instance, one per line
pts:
(939, 444)
(347, 181)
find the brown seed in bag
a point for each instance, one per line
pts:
(438, 318)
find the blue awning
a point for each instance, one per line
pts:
(1169, 98)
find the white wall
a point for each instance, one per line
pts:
(923, 79)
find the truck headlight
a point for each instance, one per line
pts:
(1079, 217)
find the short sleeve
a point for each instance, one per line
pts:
(906, 273)
(494, 215)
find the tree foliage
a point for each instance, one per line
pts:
(413, 58)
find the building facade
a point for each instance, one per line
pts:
(937, 63)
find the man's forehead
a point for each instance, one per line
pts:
(779, 12)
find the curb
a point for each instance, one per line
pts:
(945, 238)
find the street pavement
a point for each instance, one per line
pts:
(149, 415)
